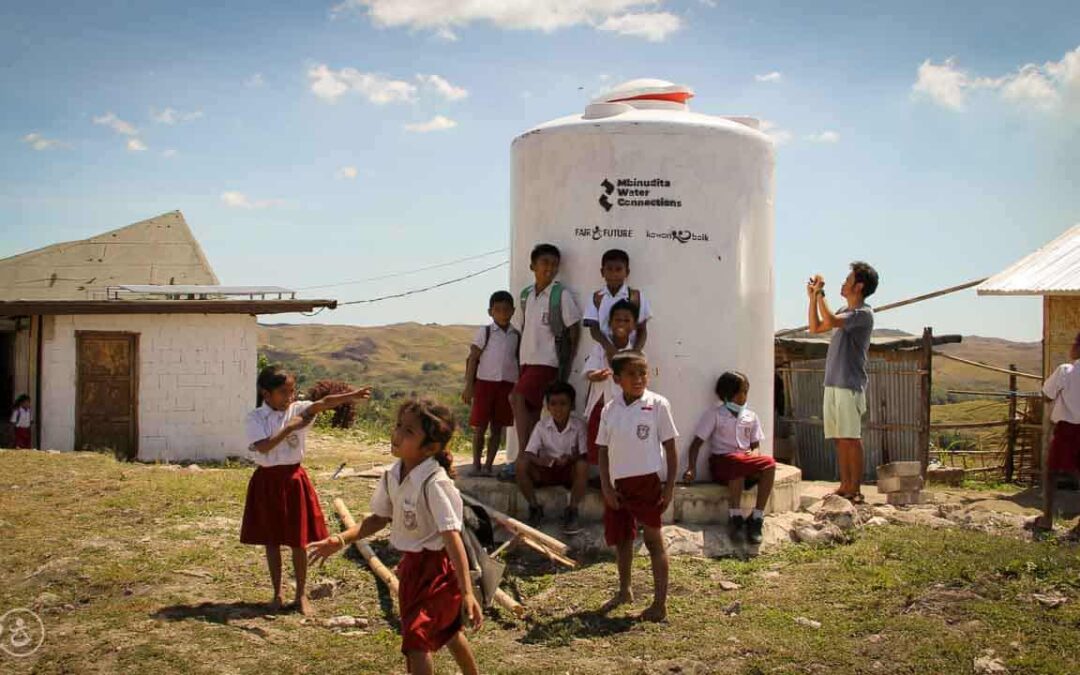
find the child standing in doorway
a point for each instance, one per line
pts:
(282, 508)
(22, 419)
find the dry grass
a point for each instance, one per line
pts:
(149, 577)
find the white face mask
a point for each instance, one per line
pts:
(734, 407)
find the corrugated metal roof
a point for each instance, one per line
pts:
(160, 250)
(1052, 270)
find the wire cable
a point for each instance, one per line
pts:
(406, 272)
(415, 291)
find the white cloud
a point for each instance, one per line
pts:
(441, 17)
(239, 200)
(774, 76)
(824, 137)
(118, 125)
(778, 135)
(39, 142)
(330, 85)
(437, 123)
(448, 91)
(171, 116)
(1053, 86)
(255, 81)
(652, 26)
(135, 145)
(348, 172)
(446, 34)
(168, 153)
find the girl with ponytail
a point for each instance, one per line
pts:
(419, 500)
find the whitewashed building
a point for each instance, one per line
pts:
(125, 341)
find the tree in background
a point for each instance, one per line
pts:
(344, 415)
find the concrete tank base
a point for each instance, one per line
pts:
(701, 503)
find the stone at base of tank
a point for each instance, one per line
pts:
(700, 503)
(906, 498)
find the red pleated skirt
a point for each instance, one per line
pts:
(430, 601)
(282, 508)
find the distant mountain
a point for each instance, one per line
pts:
(430, 359)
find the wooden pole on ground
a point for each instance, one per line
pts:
(519, 528)
(502, 598)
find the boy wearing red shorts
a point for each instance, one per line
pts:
(555, 456)
(550, 325)
(734, 433)
(1063, 388)
(490, 375)
(636, 442)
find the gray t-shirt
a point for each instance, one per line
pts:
(845, 364)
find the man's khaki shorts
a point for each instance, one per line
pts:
(843, 412)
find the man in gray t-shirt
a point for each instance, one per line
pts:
(845, 368)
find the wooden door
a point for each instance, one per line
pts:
(106, 406)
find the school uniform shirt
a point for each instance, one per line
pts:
(550, 445)
(634, 434)
(724, 432)
(21, 418)
(1063, 386)
(264, 422)
(498, 360)
(598, 360)
(418, 519)
(537, 340)
(602, 315)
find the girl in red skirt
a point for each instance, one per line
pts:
(418, 498)
(1063, 388)
(22, 418)
(282, 508)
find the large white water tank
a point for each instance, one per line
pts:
(690, 198)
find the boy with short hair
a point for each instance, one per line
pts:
(637, 443)
(1063, 388)
(615, 269)
(602, 387)
(549, 321)
(490, 375)
(555, 456)
(845, 368)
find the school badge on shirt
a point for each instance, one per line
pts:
(410, 520)
(643, 431)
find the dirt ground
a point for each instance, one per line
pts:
(136, 568)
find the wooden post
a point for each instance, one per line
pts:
(1010, 449)
(927, 365)
(519, 528)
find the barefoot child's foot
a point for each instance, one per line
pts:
(655, 613)
(275, 604)
(304, 606)
(621, 598)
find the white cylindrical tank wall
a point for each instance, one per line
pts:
(690, 198)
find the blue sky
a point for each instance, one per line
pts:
(318, 144)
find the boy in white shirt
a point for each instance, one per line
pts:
(550, 325)
(22, 418)
(555, 456)
(490, 374)
(615, 268)
(1063, 388)
(637, 444)
(734, 433)
(602, 386)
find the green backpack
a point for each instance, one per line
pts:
(555, 322)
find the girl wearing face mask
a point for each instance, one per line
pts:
(733, 433)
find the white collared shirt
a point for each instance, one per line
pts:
(418, 519)
(724, 432)
(634, 434)
(263, 422)
(537, 340)
(602, 315)
(549, 444)
(498, 360)
(1063, 386)
(608, 389)
(21, 417)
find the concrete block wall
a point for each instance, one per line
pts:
(196, 381)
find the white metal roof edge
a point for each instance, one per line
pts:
(1018, 279)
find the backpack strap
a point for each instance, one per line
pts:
(634, 296)
(555, 317)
